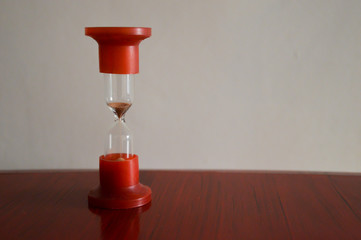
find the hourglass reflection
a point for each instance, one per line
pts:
(119, 96)
(119, 186)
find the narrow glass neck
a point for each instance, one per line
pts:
(122, 119)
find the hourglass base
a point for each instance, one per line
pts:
(119, 186)
(129, 197)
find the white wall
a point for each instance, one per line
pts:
(229, 84)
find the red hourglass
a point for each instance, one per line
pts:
(119, 186)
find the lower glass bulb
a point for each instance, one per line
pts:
(119, 142)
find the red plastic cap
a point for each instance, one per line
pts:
(118, 47)
(119, 184)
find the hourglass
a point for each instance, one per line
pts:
(119, 186)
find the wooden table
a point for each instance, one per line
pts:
(185, 205)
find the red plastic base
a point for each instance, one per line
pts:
(119, 184)
(130, 197)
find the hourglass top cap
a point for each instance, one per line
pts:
(118, 47)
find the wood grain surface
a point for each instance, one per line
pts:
(185, 205)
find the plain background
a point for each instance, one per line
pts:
(231, 84)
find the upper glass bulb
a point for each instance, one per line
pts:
(119, 92)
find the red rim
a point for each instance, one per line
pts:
(135, 31)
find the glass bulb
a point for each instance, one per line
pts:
(119, 142)
(119, 95)
(119, 88)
